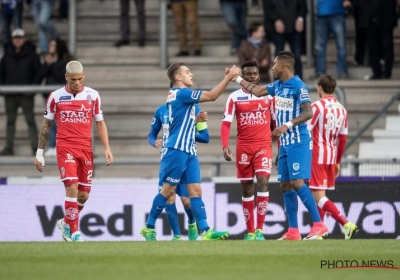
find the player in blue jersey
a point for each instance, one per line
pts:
(292, 110)
(180, 162)
(161, 121)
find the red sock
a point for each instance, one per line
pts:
(71, 213)
(80, 206)
(248, 213)
(262, 206)
(329, 207)
(321, 213)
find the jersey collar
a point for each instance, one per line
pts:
(70, 91)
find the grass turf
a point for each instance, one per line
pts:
(196, 260)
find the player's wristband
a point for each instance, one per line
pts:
(239, 79)
(39, 152)
(289, 124)
(201, 126)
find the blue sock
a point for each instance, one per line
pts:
(291, 207)
(190, 215)
(172, 216)
(158, 206)
(199, 212)
(309, 202)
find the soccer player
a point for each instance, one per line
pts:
(253, 148)
(180, 161)
(329, 125)
(161, 121)
(74, 107)
(292, 110)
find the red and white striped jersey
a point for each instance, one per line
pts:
(74, 115)
(328, 121)
(253, 117)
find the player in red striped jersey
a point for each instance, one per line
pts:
(329, 126)
(74, 106)
(253, 149)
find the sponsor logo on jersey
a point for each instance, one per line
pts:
(89, 99)
(304, 94)
(172, 180)
(81, 116)
(65, 97)
(284, 104)
(70, 158)
(256, 117)
(243, 98)
(195, 94)
(171, 96)
(88, 162)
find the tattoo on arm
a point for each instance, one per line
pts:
(44, 133)
(250, 87)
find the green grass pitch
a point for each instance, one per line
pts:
(196, 260)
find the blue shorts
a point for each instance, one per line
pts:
(180, 190)
(294, 161)
(179, 167)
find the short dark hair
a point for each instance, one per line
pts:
(250, 63)
(287, 57)
(171, 72)
(254, 26)
(327, 82)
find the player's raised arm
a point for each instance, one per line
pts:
(221, 87)
(252, 88)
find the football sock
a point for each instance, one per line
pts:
(291, 207)
(190, 215)
(199, 212)
(262, 206)
(309, 202)
(80, 206)
(158, 206)
(248, 212)
(172, 216)
(321, 214)
(71, 216)
(330, 207)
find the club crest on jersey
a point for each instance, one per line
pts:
(171, 96)
(89, 99)
(285, 92)
(304, 94)
(296, 166)
(65, 97)
(270, 85)
(153, 121)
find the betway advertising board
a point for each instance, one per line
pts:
(117, 212)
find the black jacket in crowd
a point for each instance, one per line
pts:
(20, 68)
(382, 13)
(287, 11)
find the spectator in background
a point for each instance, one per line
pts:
(186, 10)
(11, 12)
(125, 24)
(41, 12)
(381, 21)
(63, 10)
(53, 73)
(257, 49)
(235, 14)
(361, 34)
(285, 21)
(331, 18)
(19, 66)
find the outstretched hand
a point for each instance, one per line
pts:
(233, 72)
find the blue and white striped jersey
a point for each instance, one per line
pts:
(182, 114)
(289, 95)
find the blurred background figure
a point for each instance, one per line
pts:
(256, 48)
(63, 10)
(19, 65)
(186, 10)
(235, 14)
(53, 73)
(331, 18)
(284, 20)
(125, 24)
(41, 12)
(361, 32)
(380, 19)
(11, 13)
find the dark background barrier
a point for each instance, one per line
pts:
(373, 204)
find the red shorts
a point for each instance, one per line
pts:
(76, 166)
(322, 176)
(252, 160)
